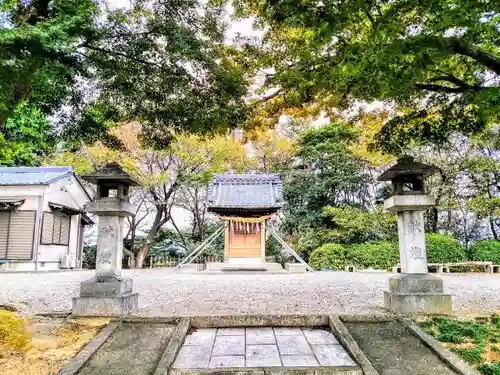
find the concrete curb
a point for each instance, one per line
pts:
(173, 347)
(84, 355)
(451, 359)
(259, 321)
(270, 371)
(44, 272)
(55, 314)
(147, 320)
(350, 344)
(368, 318)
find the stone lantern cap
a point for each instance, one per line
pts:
(407, 166)
(111, 173)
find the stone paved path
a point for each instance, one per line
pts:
(261, 347)
(162, 292)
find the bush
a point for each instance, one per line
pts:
(379, 255)
(487, 250)
(472, 356)
(444, 249)
(89, 255)
(311, 240)
(13, 333)
(329, 256)
(490, 368)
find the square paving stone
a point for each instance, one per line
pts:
(290, 345)
(299, 361)
(193, 356)
(227, 361)
(202, 336)
(332, 355)
(229, 345)
(231, 332)
(319, 336)
(288, 331)
(258, 336)
(262, 356)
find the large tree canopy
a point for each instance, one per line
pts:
(325, 172)
(160, 62)
(438, 60)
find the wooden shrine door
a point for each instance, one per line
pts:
(245, 240)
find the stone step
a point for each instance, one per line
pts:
(244, 267)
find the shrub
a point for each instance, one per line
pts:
(329, 256)
(312, 240)
(489, 368)
(13, 333)
(381, 255)
(470, 355)
(486, 250)
(89, 255)
(443, 249)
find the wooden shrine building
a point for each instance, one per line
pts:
(245, 202)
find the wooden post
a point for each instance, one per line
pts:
(227, 225)
(263, 240)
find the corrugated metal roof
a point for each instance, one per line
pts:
(245, 191)
(33, 175)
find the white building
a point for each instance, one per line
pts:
(42, 218)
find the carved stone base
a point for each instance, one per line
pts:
(417, 294)
(105, 306)
(111, 297)
(106, 288)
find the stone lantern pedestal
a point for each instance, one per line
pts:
(414, 291)
(108, 293)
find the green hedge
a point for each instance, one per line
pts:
(486, 250)
(379, 255)
(384, 255)
(444, 249)
(330, 256)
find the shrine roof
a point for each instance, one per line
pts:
(245, 191)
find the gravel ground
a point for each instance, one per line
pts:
(163, 292)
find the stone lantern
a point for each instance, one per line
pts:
(108, 294)
(414, 290)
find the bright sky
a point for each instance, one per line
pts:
(243, 27)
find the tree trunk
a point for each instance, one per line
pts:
(493, 229)
(139, 260)
(131, 258)
(434, 219)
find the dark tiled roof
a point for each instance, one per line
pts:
(245, 191)
(406, 166)
(33, 175)
(110, 172)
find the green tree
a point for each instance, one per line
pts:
(163, 63)
(27, 137)
(438, 60)
(325, 173)
(351, 225)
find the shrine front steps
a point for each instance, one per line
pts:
(265, 345)
(232, 267)
(245, 267)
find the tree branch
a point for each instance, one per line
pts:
(447, 89)
(103, 50)
(461, 47)
(452, 79)
(370, 17)
(269, 97)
